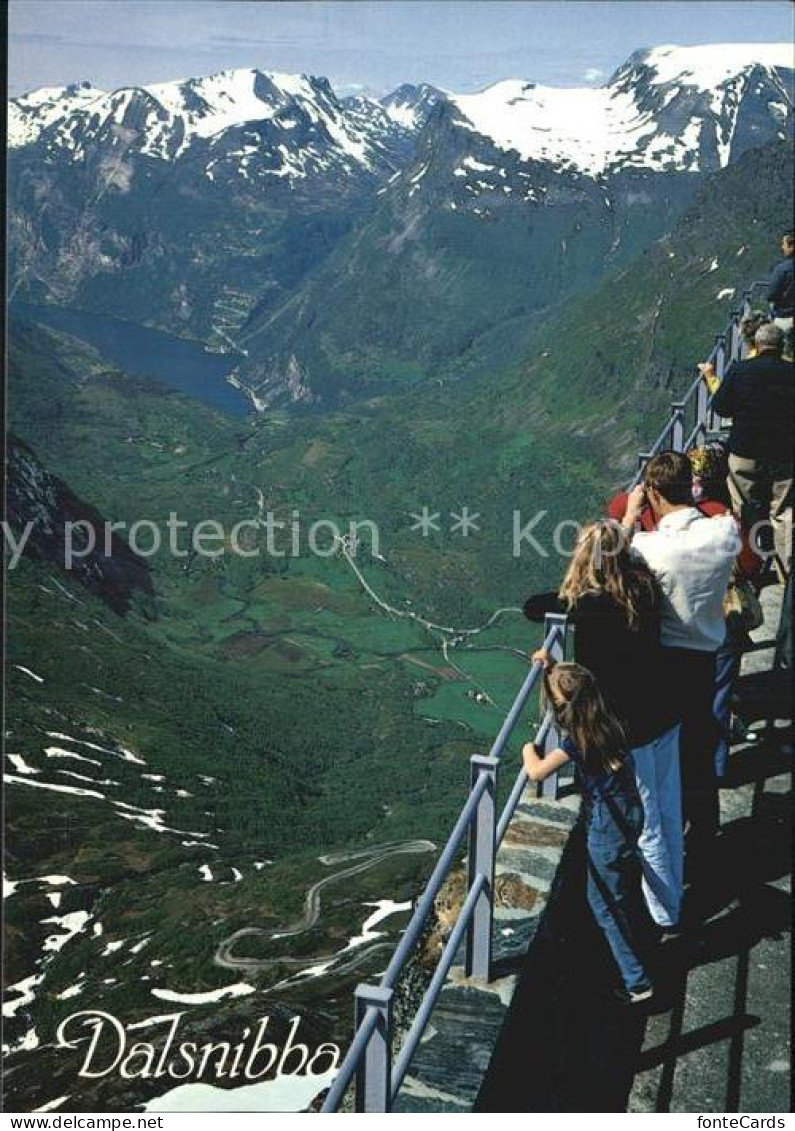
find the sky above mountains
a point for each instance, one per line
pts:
(362, 45)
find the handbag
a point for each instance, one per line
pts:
(742, 602)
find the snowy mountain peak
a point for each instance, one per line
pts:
(32, 113)
(411, 103)
(230, 98)
(668, 108)
(706, 67)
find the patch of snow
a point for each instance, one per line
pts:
(112, 947)
(205, 871)
(76, 790)
(239, 989)
(384, 908)
(20, 765)
(71, 991)
(478, 166)
(72, 924)
(284, 1093)
(26, 991)
(707, 67)
(51, 1105)
(152, 819)
(726, 292)
(59, 752)
(27, 671)
(28, 1043)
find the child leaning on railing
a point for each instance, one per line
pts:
(596, 743)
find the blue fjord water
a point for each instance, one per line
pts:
(139, 350)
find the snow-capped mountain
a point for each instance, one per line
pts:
(220, 207)
(411, 104)
(517, 198)
(287, 125)
(243, 179)
(668, 109)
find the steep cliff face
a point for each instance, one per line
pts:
(52, 524)
(189, 204)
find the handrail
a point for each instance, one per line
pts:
(446, 858)
(438, 876)
(520, 700)
(680, 407)
(520, 784)
(370, 1049)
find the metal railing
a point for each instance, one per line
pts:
(369, 1057)
(692, 417)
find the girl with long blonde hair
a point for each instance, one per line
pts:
(614, 605)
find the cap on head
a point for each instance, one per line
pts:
(769, 337)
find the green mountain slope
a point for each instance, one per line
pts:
(270, 707)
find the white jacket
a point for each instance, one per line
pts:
(691, 556)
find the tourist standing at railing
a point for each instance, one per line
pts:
(747, 327)
(759, 396)
(692, 557)
(781, 292)
(595, 741)
(614, 606)
(711, 497)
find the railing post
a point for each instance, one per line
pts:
(733, 341)
(549, 788)
(677, 425)
(705, 415)
(482, 852)
(374, 1073)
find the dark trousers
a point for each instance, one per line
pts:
(727, 668)
(693, 675)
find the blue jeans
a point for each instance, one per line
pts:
(614, 882)
(661, 843)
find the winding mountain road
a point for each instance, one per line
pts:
(365, 858)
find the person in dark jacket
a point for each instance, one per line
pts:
(781, 291)
(759, 396)
(614, 606)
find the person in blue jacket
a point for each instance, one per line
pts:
(781, 290)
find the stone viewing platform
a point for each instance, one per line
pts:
(544, 1034)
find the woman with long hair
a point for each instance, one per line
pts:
(614, 606)
(596, 742)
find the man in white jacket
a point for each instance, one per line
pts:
(692, 557)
